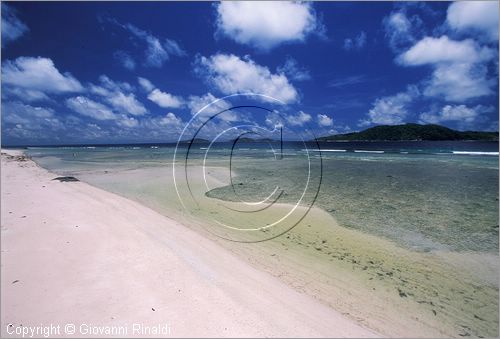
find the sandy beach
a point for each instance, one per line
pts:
(75, 254)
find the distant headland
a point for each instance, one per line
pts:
(410, 132)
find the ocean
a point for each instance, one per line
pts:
(422, 195)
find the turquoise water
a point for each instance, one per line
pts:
(422, 195)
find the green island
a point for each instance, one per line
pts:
(411, 131)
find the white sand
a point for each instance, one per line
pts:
(82, 255)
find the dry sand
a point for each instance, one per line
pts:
(72, 253)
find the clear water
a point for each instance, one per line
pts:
(423, 195)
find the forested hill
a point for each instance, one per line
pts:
(412, 132)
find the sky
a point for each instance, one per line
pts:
(131, 72)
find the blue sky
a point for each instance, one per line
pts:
(120, 72)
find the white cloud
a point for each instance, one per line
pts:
(162, 99)
(165, 100)
(111, 85)
(460, 71)
(341, 129)
(231, 75)
(118, 95)
(98, 111)
(12, 27)
(399, 22)
(364, 123)
(145, 84)
(168, 125)
(266, 24)
(38, 75)
(126, 103)
(274, 120)
(211, 106)
(391, 110)
(196, 103)
(294, 71)
(478, 16)
(157, 52)
(27, 123)
(459, 82)
(356, 43)
(90, 108)
(28, 95)
(324, 120)
(299, 119)
(19, 113)
(439, 50)
(459, 113)
(400, 30)
(170, 120)
(125, 60)
(127, 122)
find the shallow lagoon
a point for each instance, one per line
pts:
(418, 194)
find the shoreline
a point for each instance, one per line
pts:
(73, 253)
(371, 281)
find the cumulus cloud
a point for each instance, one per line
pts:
(145, 84)
(459, 113)
(459, 82)
(356, 43)
(168, 125)
(26, 123)
(391, 110)
(211, 106)
(401, 30)
(196, 103)
(126, 103)
(441, 50)
(90, 108)
(108, 84)
(231, 74)
(125, 60)
(119, 96)
(37, 77)
(266, 24)
(164, 99)
(474, 16)
(12, 27)
(19, 113)
(460, 67)
(128, 122)
(299, 119)
(292, 70)
(170, 120)
(27, 95)
(324, 120)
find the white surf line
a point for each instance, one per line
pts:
(363, 151)
(326, 150)
(474, 153)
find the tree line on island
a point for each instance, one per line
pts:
(410, 132)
